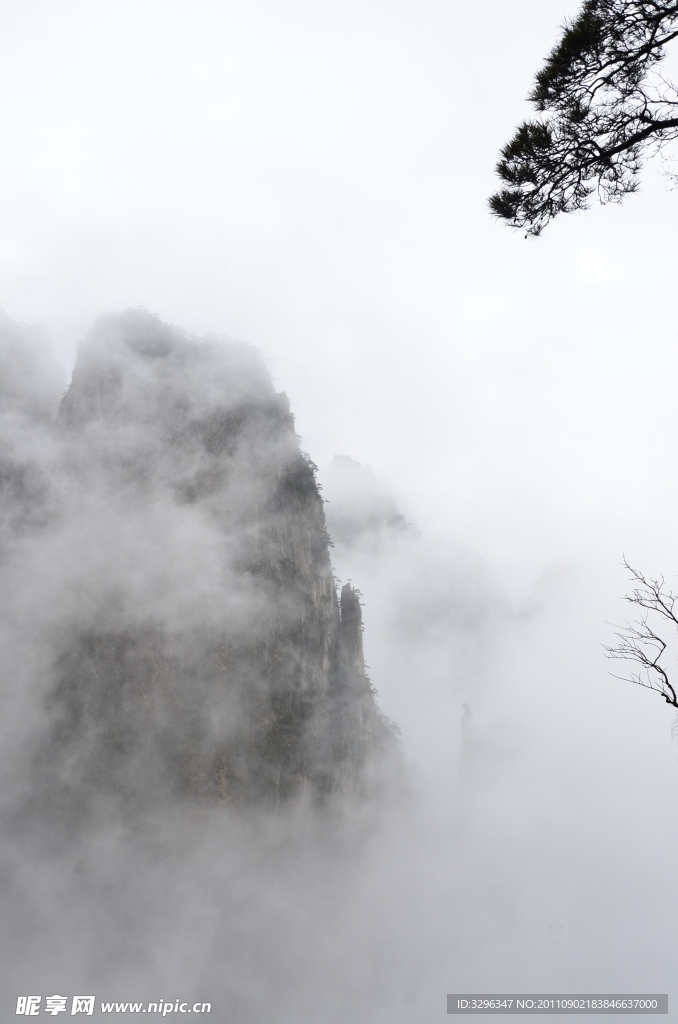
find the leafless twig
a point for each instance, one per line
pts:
(638, 641)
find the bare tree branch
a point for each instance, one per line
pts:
(638, 642)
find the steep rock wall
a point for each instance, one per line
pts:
(204, 650)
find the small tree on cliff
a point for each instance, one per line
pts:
(604, 105)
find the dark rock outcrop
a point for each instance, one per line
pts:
(202, 648)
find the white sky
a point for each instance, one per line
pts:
(313, 177)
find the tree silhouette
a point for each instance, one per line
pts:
(639, 642)
(604, 105)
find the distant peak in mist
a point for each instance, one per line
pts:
(360, 509)
(31, 380)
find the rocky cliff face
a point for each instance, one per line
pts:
(202, 648)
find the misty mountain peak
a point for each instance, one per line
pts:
(201, 648)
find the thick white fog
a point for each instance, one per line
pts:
(312, 179)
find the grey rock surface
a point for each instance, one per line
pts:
(199, 646)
